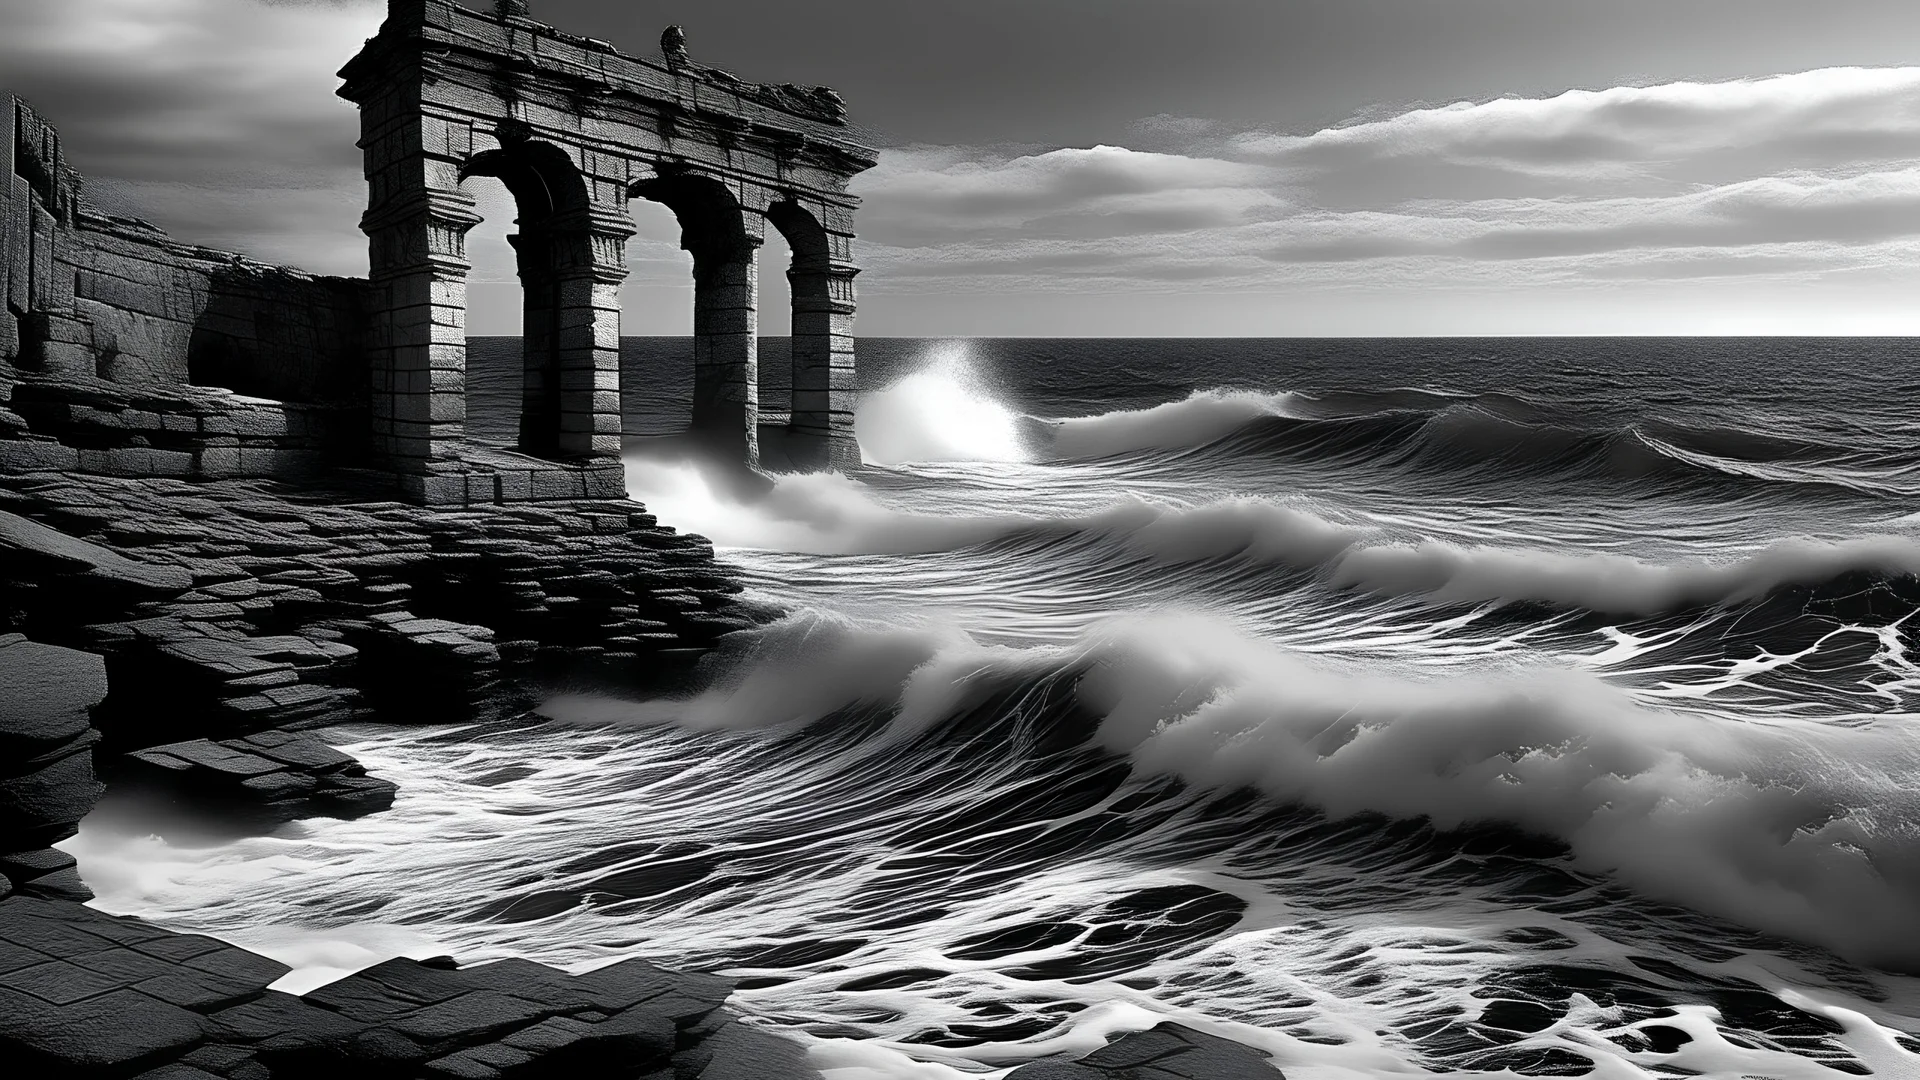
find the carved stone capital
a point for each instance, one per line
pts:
(444, 209)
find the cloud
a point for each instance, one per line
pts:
(1801, 173)
(1102, 190)
(213, 118)
(1779, 121)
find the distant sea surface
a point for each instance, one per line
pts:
(1538, 707)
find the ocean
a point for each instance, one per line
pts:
(1537, 707)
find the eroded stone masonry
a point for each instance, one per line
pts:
(131, 354)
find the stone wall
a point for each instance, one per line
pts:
(125, 352)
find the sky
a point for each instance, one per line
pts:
(1126, 167)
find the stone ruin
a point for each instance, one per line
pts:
(126, 353)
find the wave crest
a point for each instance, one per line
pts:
(830, 513)
(1458, 433)
(1792, 827)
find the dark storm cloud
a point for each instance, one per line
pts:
(214, 118)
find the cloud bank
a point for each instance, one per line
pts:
(1795, 174)
(216, 119)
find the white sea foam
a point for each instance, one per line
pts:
(831, 514)
(1201, 417)
(822, 513)
(1801, 829)
(943, 411)
(1786, 825)
(1370, 559)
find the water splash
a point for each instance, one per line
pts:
(945, 411)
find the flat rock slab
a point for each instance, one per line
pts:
(24, 538)
(85, 994)
(277, 776)
(1167, 1051)
(45, 694)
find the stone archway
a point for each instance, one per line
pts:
(570, 300)
(820, 427)
(724, 241)
(576, 129)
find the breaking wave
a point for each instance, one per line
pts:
(1488, 435)
(832, 514)
(1800, 829)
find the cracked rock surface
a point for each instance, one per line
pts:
(91, 995)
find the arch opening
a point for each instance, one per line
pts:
(723, 240)
(819, 430)
(657, 372)
(552, 244)
(776, 342)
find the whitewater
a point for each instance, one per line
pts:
(1488, 708)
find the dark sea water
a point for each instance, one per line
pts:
(1537, 707)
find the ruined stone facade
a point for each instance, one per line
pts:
(124, 352)
(575, 130)
(127, 353)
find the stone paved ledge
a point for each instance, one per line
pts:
(89, 995)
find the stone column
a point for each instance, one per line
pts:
(726, 367)
(590, 264)
(824, 385)
(417, 330)
(540, 342)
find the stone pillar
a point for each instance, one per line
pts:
(590, 264)
(820, 433)
(540, 342)
(726, 367)
(417, 323)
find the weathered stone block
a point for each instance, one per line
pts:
(49, 691)
(20, 457)
(116, 1031)
(198, 991)
(57, 982)
(514, 485)
(469, 1017)
(129, 966)
(50, 799)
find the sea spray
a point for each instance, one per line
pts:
(944, 411)
(1756, 822)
